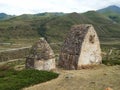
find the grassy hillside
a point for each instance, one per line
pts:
(54, 27)
(112, 8)
(113, 15)
(113, 12)
(105, 27)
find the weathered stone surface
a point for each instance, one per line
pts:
(41, 56)
(81, 47)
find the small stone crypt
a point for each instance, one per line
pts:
(41, 56)
(81, 48)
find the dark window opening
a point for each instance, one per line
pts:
(91, 39)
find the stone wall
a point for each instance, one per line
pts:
(90, 51)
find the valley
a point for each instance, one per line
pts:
(19, 33)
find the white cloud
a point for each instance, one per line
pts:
(37, 6)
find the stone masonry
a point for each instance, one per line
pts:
(41, 56)
(80, 48)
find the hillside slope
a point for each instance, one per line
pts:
(55, 27)
(112, 8)
(4, 16)
(113, 12)
(104, 26)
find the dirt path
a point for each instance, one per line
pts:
(13, 49)
(91, 79)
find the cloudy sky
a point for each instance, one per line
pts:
(18, 7)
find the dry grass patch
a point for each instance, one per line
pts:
(98, 78)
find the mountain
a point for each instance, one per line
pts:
(113, 12)
(4, 16)
(112, 8)
(55, 28)
(50, 14)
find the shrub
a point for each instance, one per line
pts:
(14, 80)
(111, 62)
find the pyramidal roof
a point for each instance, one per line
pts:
(75, 38)
(41, 50)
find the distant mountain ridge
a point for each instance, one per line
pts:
(4, 16)
(54, 28)
(113, 12)
(112, 8)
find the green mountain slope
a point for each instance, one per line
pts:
(112, 8)
(55, 27)
(104, 26)
(113, 12)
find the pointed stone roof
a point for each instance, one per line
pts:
(41, 50)
(75, 39)
(41, 56)
(81, 47)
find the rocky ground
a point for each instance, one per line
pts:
(98, 78)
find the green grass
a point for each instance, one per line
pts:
(11, 79)
(112, 58)
(112, 15)
(111, 62)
